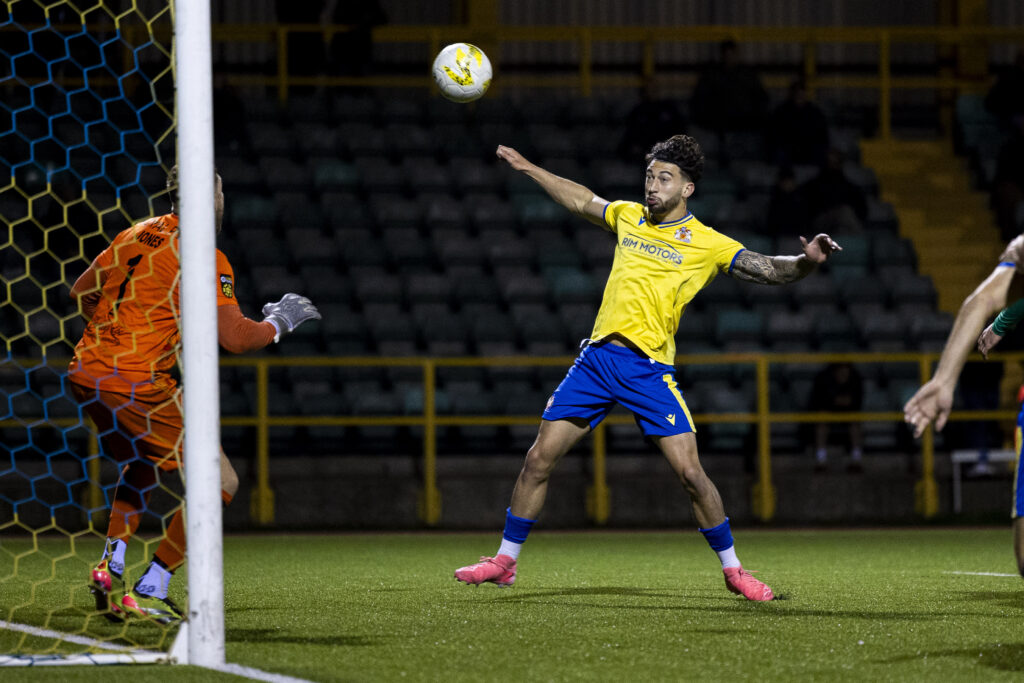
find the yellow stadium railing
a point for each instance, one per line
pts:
(763, 492)
(926, 501)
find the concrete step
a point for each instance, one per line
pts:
(949, 221)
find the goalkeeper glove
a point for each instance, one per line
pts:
(288, 313)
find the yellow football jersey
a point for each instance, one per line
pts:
(658, 269)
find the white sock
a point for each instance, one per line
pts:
(154, 582)
(115, 551)
(856, 454)
(821, 454)
(510, 548)
(728, 557)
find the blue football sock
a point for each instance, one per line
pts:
(720, 539)
(516, 528)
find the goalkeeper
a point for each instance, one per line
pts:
(120, 374)
(934, 401)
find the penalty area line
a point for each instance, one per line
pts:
(981, 574)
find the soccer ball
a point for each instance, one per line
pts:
(462, 72)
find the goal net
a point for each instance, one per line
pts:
(87, 137)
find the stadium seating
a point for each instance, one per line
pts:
(392, 213)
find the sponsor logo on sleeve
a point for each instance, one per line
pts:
(227, 287)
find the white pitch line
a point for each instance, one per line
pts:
(980, 574)
(258, 674)
(71, 638)
(132, 655)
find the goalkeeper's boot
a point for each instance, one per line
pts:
(159, 610)
(500, 570)
(742, 582)
(106, 585)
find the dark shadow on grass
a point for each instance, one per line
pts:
(1003, 657)
(685, 601)
(593, 590)
(1013, 598)
(266, 635)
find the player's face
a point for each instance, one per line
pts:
(666, 188)
(218, 202)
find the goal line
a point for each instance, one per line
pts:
(121, 654)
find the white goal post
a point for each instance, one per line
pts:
(193, 81)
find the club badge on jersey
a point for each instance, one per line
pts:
(683, 234)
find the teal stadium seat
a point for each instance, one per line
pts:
(836, 332)
(334, 175)
(270, 139)
(519, 284)
(310, 246)
(348, 107)
(410, 139)
(363, 140)
(252, 211)
(425, 175)
(887, 331)
(303, 109)
(376, 285)
(737, 329)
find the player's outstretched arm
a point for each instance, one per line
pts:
(751, 266)
(573, 196)
(933, 402)
(288, 313)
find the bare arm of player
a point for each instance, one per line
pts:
(934, 401)
(575, 197)
(750, 266)
(87, 290)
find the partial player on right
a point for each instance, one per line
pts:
(932, 403)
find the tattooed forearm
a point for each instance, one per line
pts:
(769, 270)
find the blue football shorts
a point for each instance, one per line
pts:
(1018, 478)
(606, 374)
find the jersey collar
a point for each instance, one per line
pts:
(646, 218)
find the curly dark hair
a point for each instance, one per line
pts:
(681, 150)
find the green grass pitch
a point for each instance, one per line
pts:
(899, 605)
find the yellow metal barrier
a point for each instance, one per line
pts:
(598, 505)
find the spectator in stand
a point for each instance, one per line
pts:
(1008, 183)
(652, 119)
(787, 208)
(305, 51)
(838, 388)
(228, 112)
(833, 200)
(797, 130)
(729, 97)
(1006, 98)
(979, 390)
(351, 51)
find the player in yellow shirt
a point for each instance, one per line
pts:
(663, 258)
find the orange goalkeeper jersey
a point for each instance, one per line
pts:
(131, 340)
